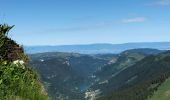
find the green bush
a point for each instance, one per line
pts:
(19, 81)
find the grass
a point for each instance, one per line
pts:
(20, 82)
(163, 92)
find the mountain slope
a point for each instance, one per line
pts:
(124, 60)
(163, 92)
(138, 81)
(57, 74)
(67, 74)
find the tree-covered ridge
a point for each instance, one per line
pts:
(67, 75)
(139, 81)
(17, 80)
(163, 92)
(62, 71)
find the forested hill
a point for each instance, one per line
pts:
(139, 81)
(17, 80)
(73, 76)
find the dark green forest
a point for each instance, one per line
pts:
(146, 76)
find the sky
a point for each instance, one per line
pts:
(66, 22)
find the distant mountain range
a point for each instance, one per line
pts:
(97, 48)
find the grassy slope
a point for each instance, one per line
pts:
(19, 81)
(163, 92)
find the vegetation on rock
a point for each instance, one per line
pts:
(17, 80)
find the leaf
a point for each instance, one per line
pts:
(1, 81)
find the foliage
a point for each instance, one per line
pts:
(4, 29)
(17, 80)
(9, 49)
(163, 92)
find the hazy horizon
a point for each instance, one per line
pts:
(97, 43)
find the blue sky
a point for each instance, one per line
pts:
(58, 22)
